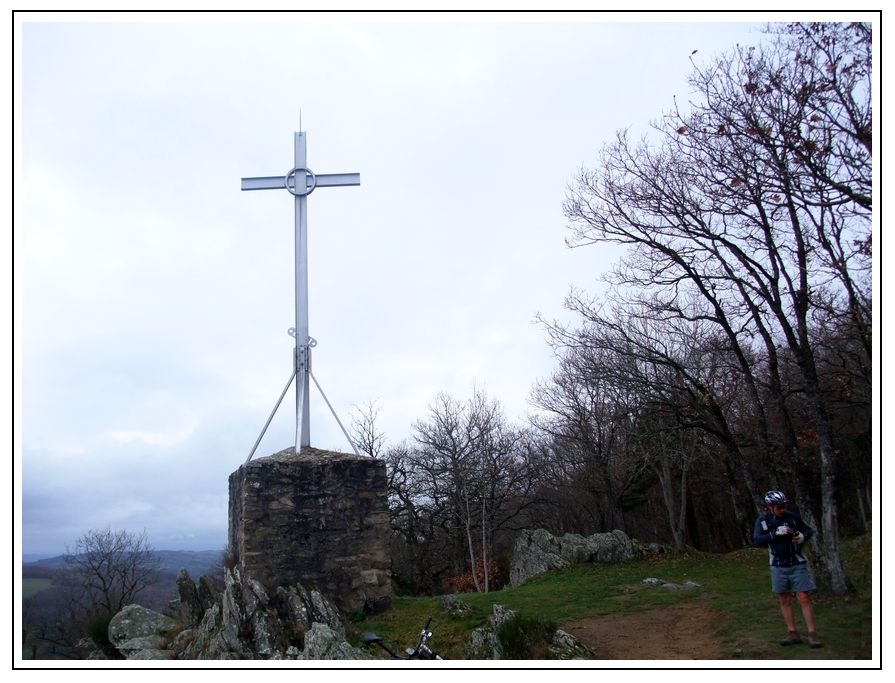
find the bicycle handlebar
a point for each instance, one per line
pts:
(421, 651)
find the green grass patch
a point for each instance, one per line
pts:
(98, 630)
(31, 587)
(526, 637)
(735, 586)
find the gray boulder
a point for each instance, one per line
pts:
(686, 586)
(90, 650)
(140, 633)
(650, 548)
(452, 604)
(322, 642)
(538, 551)
(566, 646)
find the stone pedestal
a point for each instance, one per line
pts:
(319, 519)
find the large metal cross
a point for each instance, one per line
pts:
(300, 181)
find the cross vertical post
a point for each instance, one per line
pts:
(300, 181)
(302, 349)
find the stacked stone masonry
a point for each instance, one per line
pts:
(319, 519)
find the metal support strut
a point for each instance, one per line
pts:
(273, 412)
(302, 370)
(332, 410)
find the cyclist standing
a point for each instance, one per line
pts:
(784, 532)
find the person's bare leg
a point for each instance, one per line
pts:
(808, 614)
(786, 608)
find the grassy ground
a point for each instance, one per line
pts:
(736, 587)
(31, 587)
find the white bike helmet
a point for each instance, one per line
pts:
(775, 498)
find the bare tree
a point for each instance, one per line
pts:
(660, 380)
(585, 416)
(473, 472)
(669, 450)
(367, 436)
(751, 208)
(418, 547)
(109, 568)
(450, 441)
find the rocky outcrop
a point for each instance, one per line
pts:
(244, 621)
(484, 642)
(195, 600)
(322, 642)
(539, 551)
(91, 650)
(566, 646)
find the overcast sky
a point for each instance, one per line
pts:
(156, 296)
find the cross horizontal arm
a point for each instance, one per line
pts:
(323, 180)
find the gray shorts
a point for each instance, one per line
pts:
(795, 579)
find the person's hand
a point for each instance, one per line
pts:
(783, 530)
(798, 538)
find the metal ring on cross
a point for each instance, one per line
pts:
(294, 189)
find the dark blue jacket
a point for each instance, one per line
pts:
(783, 552)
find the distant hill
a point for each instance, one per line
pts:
(196, 562)
(36, 557)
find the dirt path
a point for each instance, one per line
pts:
(684, 631)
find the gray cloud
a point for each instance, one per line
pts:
(156, 296)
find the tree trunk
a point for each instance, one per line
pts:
(861, 509)
(830, 569)
(665, 479)
(475, 578)
(484, 548)
(682, 517)
(743, 521)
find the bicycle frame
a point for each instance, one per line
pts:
(421, 651)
